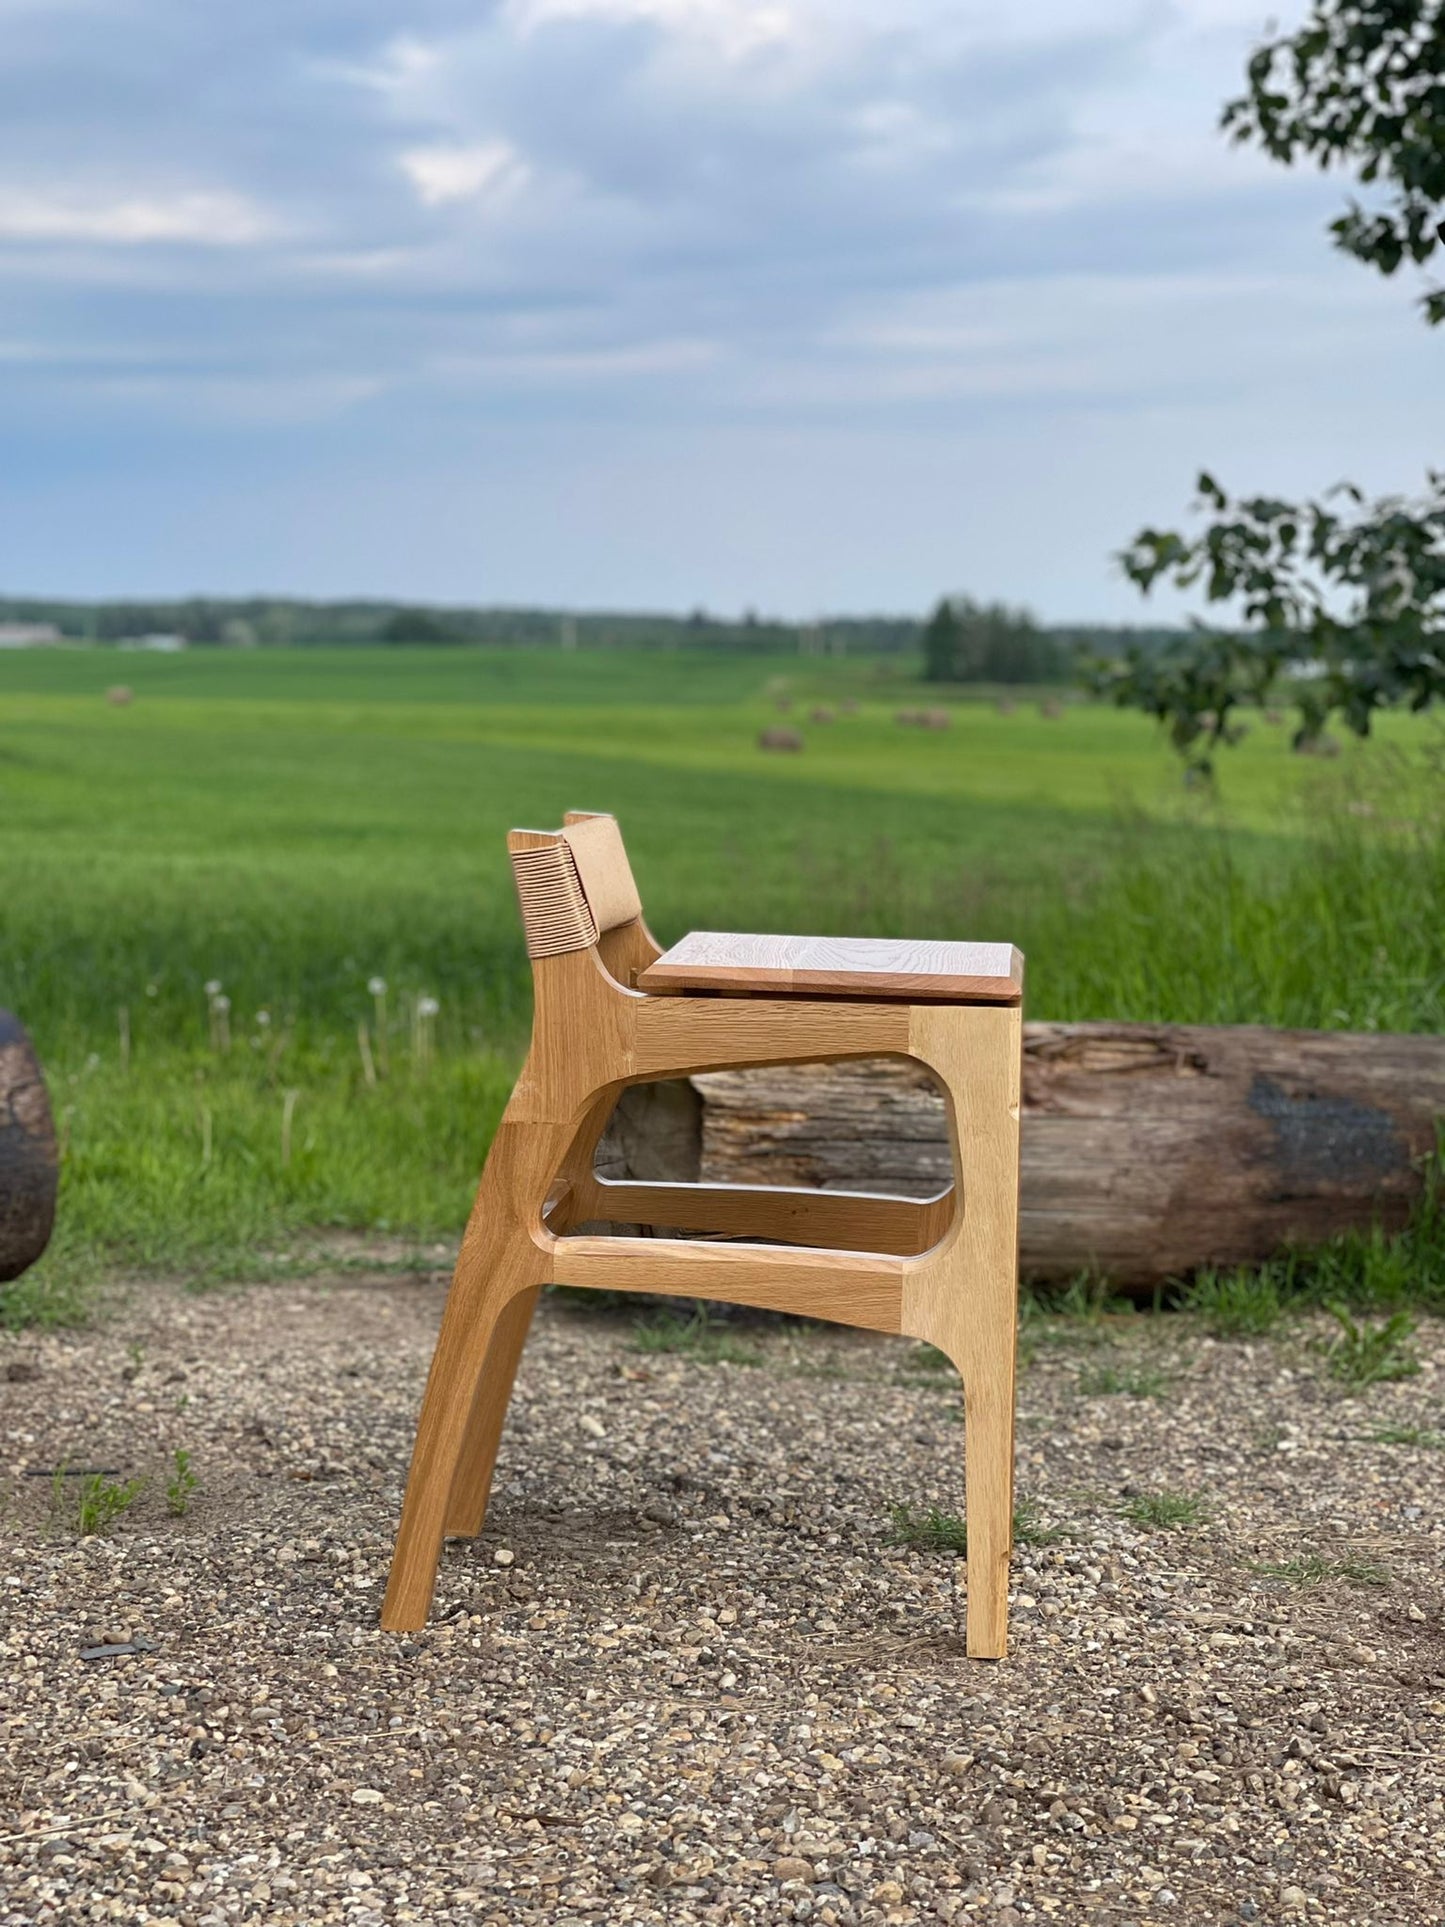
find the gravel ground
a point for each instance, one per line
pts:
(685, 1676)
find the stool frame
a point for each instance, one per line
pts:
(943, 1270)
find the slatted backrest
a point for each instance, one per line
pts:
(573, 884)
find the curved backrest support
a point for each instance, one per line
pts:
(573, 884)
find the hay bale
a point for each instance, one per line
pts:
(780, 739)
(935, 719)
(119, 695)
(822, 714)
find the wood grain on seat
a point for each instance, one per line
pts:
(883, 968)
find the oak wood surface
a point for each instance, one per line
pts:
(953, 1283)
(849, 1287)
(879, 968)
(963, 1295)
(840, 1220)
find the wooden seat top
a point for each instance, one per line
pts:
(886, 969)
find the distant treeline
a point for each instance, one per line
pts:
(968, 641)
(274, 622)
(997, 644)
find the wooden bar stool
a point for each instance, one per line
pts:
(610, 1010)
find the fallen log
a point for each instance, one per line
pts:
(1148, 1150)
(29, 1159)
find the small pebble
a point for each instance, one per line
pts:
(794, 1869)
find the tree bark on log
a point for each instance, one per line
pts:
(29, 1159)
(1148, 1150)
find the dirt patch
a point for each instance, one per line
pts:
(706, 1686)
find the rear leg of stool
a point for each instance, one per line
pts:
(472, 1483)
(478, 1305)
(481, 1336)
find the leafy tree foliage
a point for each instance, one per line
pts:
(1343, 606)
(1362, 86)
(940, 644)
(968, 641)
(417, 628)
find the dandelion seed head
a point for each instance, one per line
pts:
(152, 990)
(223, 1004)
(213, 987)
(377, 986)
(427, 1006)
(263, 1018)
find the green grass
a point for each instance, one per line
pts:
(1314, 1569)
(291, 825)
(927, 1529)
(1137, 1381)
(181, 1484)
(1237, 1304)
(1367, 1270)
(1029, 1528)
(95, 1505)
(1089, 1299)
(704, 1339)
(1363, 1354)
(1166, 1511)
(1379, 1270)
(177, 1164)
(1407, 1435)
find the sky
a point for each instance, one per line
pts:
(808, 306)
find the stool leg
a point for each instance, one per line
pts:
(472, 1481)
(965, 1298)
(985, 1361)
(988, 1458)
(499, 1270)
(472, 1485)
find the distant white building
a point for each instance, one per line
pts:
(28, 635)
(161, 645)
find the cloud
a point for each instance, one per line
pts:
(483, 170)
(546, 366)
(706, 230)
(201, 219)
(400, 63)
(737, 28)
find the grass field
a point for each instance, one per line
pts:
(292, 825)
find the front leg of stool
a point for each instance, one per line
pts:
(499, 1269)
(472, 1482)
(963, 1296)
